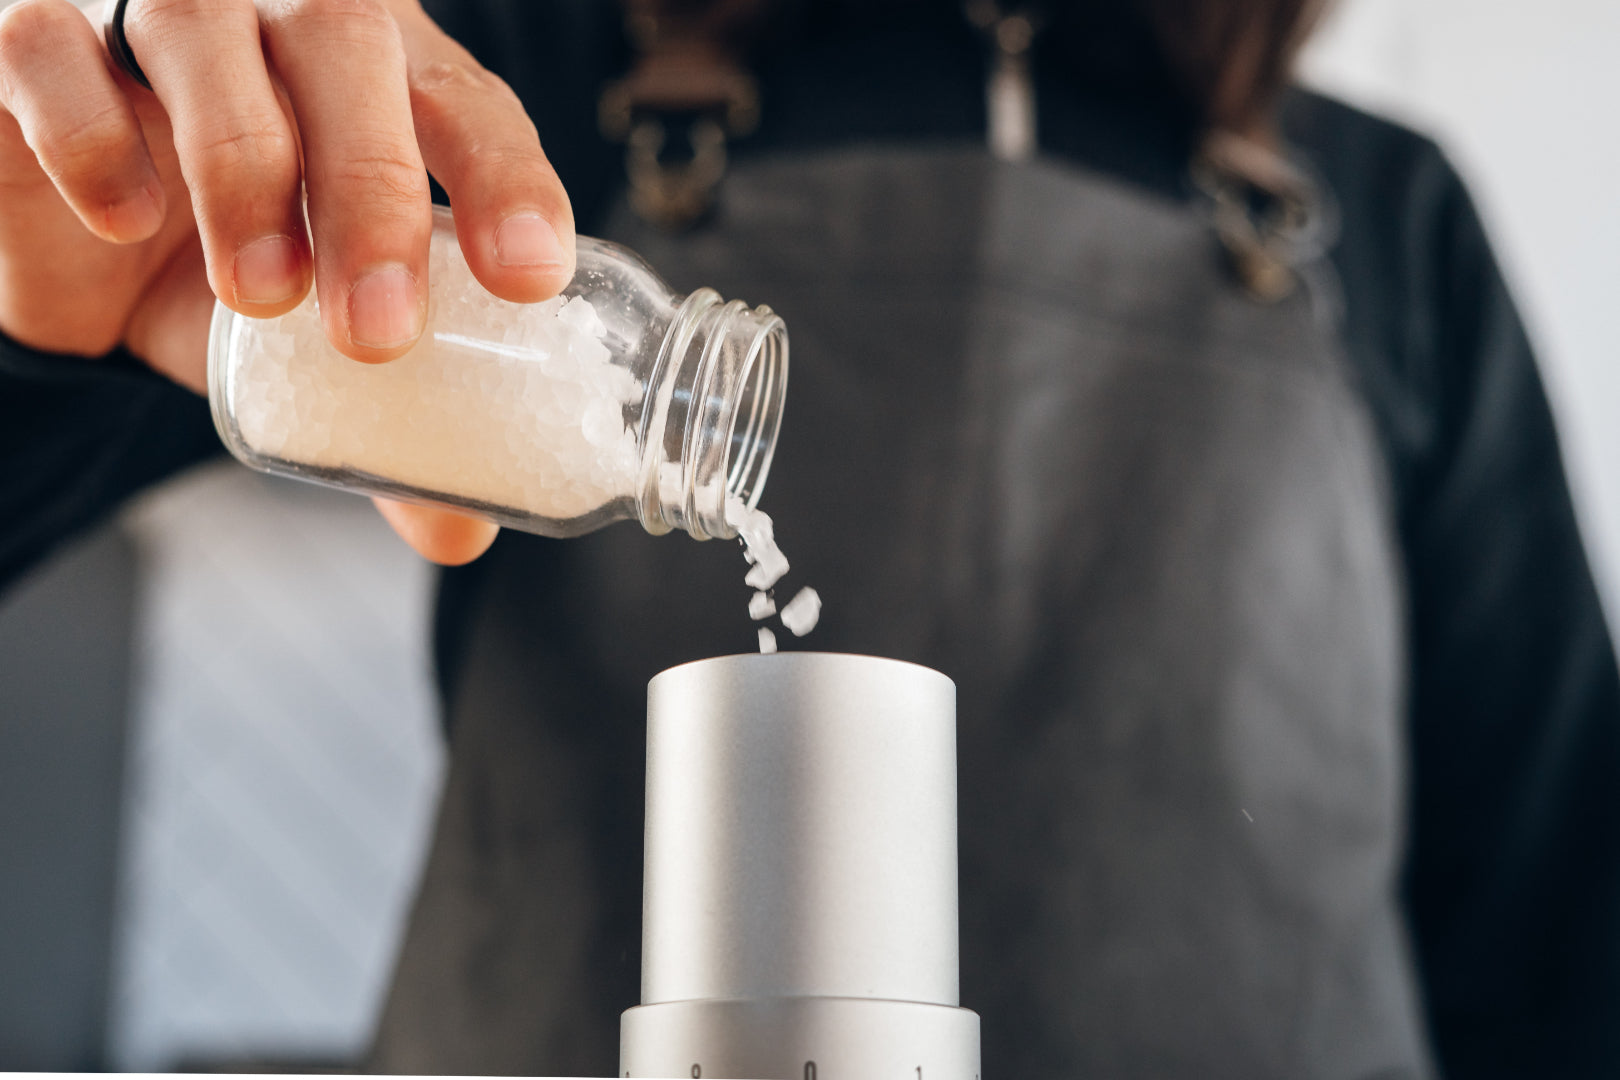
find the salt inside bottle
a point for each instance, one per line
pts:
(619, 399)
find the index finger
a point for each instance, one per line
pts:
(343, 64)
(513, 217)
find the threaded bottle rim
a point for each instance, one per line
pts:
(716, 395)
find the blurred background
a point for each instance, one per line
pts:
(218, 761)
(218, 742)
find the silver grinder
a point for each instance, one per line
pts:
(799, 908)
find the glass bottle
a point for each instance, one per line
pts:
(618, 400)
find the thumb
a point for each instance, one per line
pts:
(441, 536)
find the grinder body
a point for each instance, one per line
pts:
(800, 898)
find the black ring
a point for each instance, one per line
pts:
(117, 44)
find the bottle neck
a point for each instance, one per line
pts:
(712, 415)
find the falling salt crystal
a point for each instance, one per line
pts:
(767, 565)
(759, 538)
(801, 613)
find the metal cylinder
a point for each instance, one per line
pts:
(799, 905)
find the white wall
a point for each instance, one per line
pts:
(1526, 98)
(284, 767)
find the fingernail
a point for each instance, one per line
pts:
(528, 240)
(266, 270)
(384, 312)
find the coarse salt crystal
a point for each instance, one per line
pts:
(759, 539)
(767, 565)
(603, 422)
(802, 612)
(519, 406)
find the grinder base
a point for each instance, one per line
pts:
(800, 1038)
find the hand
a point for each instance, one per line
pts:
(124, 212)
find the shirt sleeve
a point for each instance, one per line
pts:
(78, 436)
(1513, 874)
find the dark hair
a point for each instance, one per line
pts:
(1231, 58)
(1226, 60)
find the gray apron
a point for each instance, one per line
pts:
(1037, 439)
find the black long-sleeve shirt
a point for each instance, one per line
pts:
(1513, 876)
